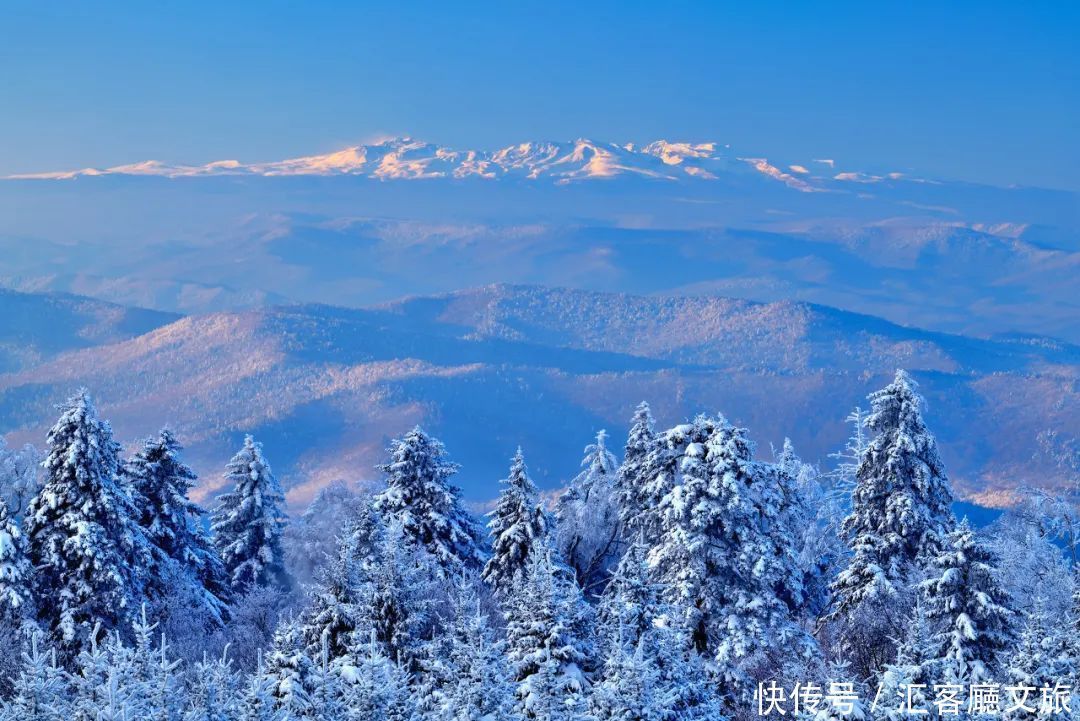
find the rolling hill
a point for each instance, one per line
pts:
(487, 369)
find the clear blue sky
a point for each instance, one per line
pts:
(982, 91)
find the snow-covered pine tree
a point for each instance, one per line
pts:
(15, 573)
(182, 553)
(256, 702)
(155, 687)
(965, 598)
(333, 613)
(476, 683)
(900, 515)
(637, 505)
(397, 607)
(630, 605)
(91, 682)
(376, 688)
(547, 623)
(289, 669)
(587, 527)
(517, 524)
(248, 523)
(82, 535)
(328, 696)
(420, 497)
(786, 484)
(718, 560)
(1038, 658)
(901, 503)
(904, 682)
(812, 518)
(213, 690)
(627, 688)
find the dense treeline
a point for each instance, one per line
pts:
(674, 585)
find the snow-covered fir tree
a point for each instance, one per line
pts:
(627, 689)
(377, 688)
(398, 603)
(1039, 658)
(900, 515)
(636, 502)
(41, 691)
(904, 681)
(718, 560)
(516, 524)
(289, 669)
(547, 635)
(182, 554)
(257, 701)
(327, 687)
(15, 574)
(474, 682)
(249, 521)
(83, 539)
(334, 612)
(212, 690)
(420, 497)
(587, 527)
(786, 485)
(901, 500)
(631, 602)
(965, 599)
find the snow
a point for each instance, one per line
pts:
(404, 158)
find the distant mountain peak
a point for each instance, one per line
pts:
(406, 158)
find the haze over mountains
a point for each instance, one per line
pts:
(700, 277)
(372, 223)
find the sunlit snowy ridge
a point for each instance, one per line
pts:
(561, 162)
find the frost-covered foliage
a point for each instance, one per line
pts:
(82, 532)
(634, 491)
(587, 518)
(812, 513)
(183, 560)
(19, 477)
(398, 607)
(311, 540)
(420, 497)
(15, 572)
(1040, 657)
(516, 524)
(249, 521)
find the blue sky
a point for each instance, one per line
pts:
(980, 91)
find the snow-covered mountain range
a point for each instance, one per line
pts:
(561, 162)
